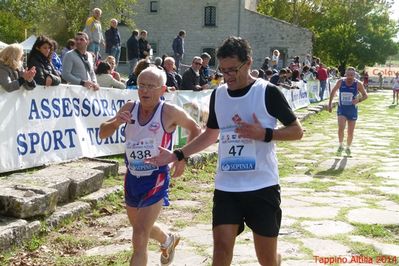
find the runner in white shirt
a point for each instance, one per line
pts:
(243, 114)
(149, 123)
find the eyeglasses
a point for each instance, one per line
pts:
(231, 71)
(197, 63)
(147, 86)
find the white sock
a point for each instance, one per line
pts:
(341, 144)
(167, 242)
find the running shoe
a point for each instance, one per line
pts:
(348, 151)
(169, 252)
(340, 150)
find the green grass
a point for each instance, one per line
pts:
(373, 230)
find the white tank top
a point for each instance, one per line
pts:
(244, 164)
(142, 141)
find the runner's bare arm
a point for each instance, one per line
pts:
(363, 92)
(122, 116)
(332, 95)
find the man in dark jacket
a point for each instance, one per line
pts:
(178, 48)
(144, 46)
(133, 50)
(191, 77)
(113, 41)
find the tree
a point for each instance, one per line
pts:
(12, 29)
(61, 19)
(353, 32)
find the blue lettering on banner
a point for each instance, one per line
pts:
(116, 138)
(68, 107)
(56, 139)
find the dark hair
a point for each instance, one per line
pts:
(103, 68)
(135, 33)
(261, 73)
(283, 71)
(205, 55)
(84, 34)
(181, 33)
(40, 41)
(295, 75)
(141, 65)
(70, 44)
(268, 72)
(235, 47)
(55, 45)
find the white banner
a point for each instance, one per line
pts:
(55, 124)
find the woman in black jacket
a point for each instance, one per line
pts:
(40, 57)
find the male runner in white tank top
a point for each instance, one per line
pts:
(149, 123)
(243, 113)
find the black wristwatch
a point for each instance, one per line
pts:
(179, 154)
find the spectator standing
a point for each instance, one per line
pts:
(112, 62)
(78, 64)
(205, 75)
(366, 80)
(55, 59)
(12, 74)
(146, 185)
(113, 41)
(380, 80)
(70, 46)
(243, 115)
(40, 58)
(94, 31)
(178, 48)
(307, 74)
(142, 64)
(191, 77)
(144, 46)
(275, 58)
(395, 88)
(322, 76)
(133, 50)
(308, 60)
(173, 79)
(265, 65)
(104, 77)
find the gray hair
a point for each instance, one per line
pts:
(160, 74)
(158, 61)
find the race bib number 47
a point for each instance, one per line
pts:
(236, 154)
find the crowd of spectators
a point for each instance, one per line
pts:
(80, 63)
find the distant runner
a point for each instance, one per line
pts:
(348, 98)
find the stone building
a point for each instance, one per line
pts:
(209, 22)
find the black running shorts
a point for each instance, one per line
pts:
(258, 209)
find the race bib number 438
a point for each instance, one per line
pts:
(136, 152)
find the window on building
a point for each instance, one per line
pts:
(153, 6)
(212, 53)
(210, 16)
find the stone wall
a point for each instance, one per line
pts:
(232, 18)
